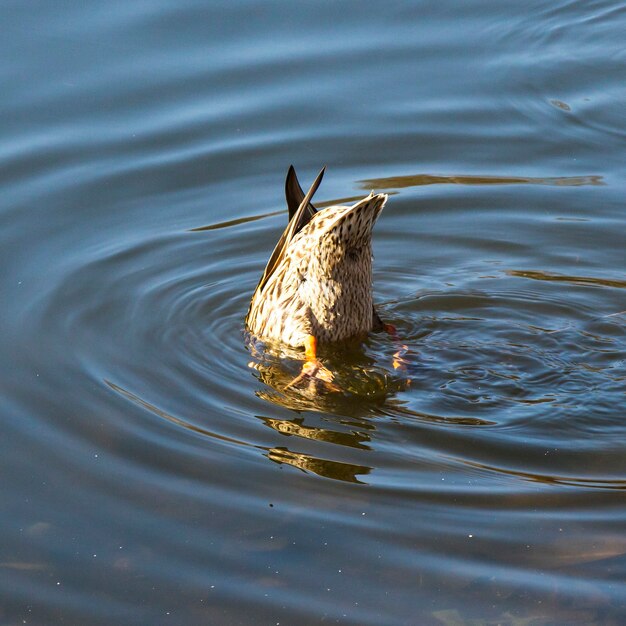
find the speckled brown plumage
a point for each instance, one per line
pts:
(318, 280)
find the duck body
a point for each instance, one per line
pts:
(317, 285)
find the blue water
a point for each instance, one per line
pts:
(154, 470)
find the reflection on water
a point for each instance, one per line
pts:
(579, 280)
(241, 220)
(390, 183)
(356, 387)
(297, 428)
(322, 467)
(418, 180)
(152, 476)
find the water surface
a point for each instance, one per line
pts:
(151, 475)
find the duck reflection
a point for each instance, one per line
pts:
(327, 468)
(368, 393)
(337, 414)
(297, 428)
(359, 386)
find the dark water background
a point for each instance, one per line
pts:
(150, 476)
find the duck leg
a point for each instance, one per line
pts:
(313, 370)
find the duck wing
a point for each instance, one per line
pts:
(298, 219)
(295, 195)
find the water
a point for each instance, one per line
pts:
(150, 476)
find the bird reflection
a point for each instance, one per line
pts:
(359, 387)
(296, 427)
(337, 470)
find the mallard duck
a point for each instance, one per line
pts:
(317, 284)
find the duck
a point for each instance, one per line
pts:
(317, 285)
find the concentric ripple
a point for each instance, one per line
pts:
(157, 469)
(153, 328)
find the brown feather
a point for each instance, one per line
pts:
(295, 195)
(289, 233)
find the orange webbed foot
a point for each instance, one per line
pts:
(313, 371)
(398, 362)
